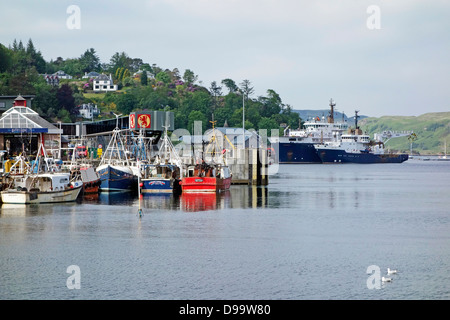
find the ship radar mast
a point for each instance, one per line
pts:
(331, 116)
(356, 119)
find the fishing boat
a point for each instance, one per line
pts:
(160, 178)
(356, 147)
(82, 168)
(206, 178)
(89, 177)
(40, 183)
(114, 167)
(208, 175)
(297, 146)
(164, 174)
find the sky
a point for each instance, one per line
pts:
(389, 57)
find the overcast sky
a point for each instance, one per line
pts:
(307, 51)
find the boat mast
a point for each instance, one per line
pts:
(331, 116)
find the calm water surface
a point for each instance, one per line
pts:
(311, 233)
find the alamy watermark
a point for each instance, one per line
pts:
(374, 280)
(373, 22)
(74, 280)
(74, 20)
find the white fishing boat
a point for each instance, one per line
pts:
(42, 188)
(40, 183)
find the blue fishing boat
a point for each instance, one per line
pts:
(162, 178)
(165, 173)
(114, 168)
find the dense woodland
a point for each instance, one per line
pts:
(142, 86)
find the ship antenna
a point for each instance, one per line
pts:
(356, 119)
(332, 105)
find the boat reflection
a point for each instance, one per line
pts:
(116, 197)
(193, 202)
(160, 201)
(22, 210)
(235, 198)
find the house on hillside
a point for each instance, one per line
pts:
(104, 83)
(138, 74)
(91, 75)
(88, 110)
(62, 75)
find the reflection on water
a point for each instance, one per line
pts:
(236, 197)
(192, 202)
(10, 209)
(116, 197)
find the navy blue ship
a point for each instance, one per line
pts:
(297, 146)
(356, 147)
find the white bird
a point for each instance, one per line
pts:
(386, 279)
(389, 271)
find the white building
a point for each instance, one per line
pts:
(89, 110)
(62, 75)
(104, 83)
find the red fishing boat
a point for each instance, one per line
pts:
(206, 178)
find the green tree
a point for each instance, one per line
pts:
(89, 61)
(189, 77)
(246, 88)
(45, 101)
(73, 67)
(230, 84)
(5, 58)
(34, 58)
(144, 78)
(65, 98)
(216, 92)
(126, 103)
(163, 77)
(267, 123)
(119, 60)
(196, 116)
(271, 104)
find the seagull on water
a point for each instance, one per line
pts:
(386, 279)
(389, 271)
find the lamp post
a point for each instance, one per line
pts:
(243, 120)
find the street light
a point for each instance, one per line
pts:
(243, 119)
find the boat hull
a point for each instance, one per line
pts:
(296, 152)
(159, 185)
(204, 184)
(91, 181)
(29, 197)
(115, 178)
(341, 156)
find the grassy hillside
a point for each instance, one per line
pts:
(432, 130)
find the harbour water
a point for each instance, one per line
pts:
(312, 233)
